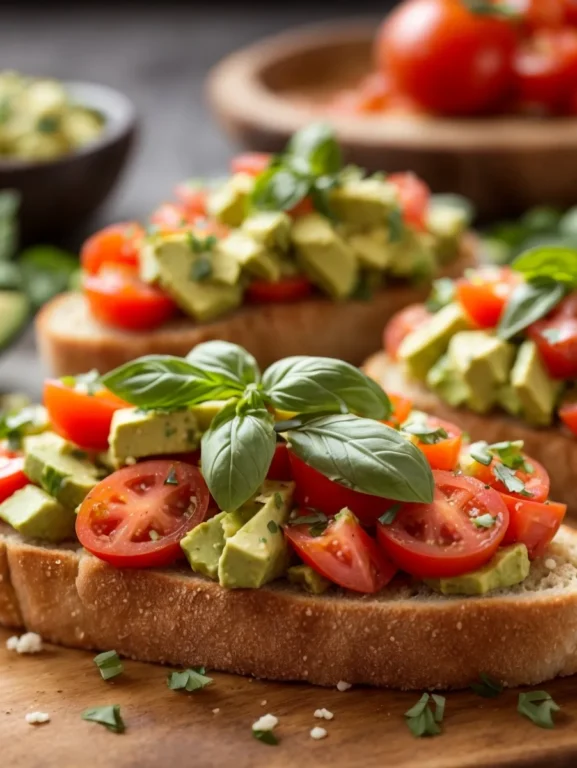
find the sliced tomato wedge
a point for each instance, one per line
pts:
(252, 163)
(170, 217)
(12, 476)
(533, 523)
(404, 322)
(280, 468)
(287, 289)
(556, 339)
(537, 482)
(136, 517)
(81, 415)
(414, 197)
(444, 452)
(568, 415)
(305, 206)
(402, 407)
(118, 297)
(193, 199)
(484, 293)
(441, 539)
(116, 244)
(317, 491)
(345, 554)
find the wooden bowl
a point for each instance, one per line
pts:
(265, 92)
(59, 195)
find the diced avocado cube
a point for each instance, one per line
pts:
(54, 464)
(446, 223)
(135, 433)
(228, 204)
(270, 228)
(536, 391)
(251, 255)
(372, 248)
(508, 399)
(364, 202)
(447, 383)
(203, 546)
(324, 256)
(412, 256)
(258, 552)
(308, 579)
(420, 350)
(232, 522)
(508, 567)
(37, 515)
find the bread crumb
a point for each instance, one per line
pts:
(550, 564)
(323, 714)
(130, 461)
(36, 718)
(342, 686)
(459, 625)
(265, 723)
(308, 612)
(263, 703)
(216, 710)
(318, 733)
(27, 643)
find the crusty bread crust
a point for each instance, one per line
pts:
(72, 341)
(552, 446)
(405, 637)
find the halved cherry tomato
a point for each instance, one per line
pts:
(305, 206)
(546, 69)
(345, 554)
(537, 482)
(532, 523)
(537, 14)
(252, 163)
(317, 491)
(401, 409)
(444, 454)
(118, 297)
(447, 58)
(441, 539)
(414, 196)
(116, 244)
(80, 415)
(556, 339)
(404, 322)
(287, 289)
(280, 468)
(484, 293)
(136, 517)
(193, 199)
(568, 415)
(12, 476)
(170, 217)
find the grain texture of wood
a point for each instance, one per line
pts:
(167, 728)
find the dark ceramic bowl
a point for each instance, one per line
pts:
(58, 196)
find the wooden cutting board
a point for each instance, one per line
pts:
(167, 728)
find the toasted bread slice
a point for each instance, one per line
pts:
(405, 637)
(552, 446)
(72, 341)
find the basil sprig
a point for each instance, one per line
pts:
(229, 361)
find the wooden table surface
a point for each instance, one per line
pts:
(167, 728)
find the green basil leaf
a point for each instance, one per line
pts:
(308, 384)
(9, 203)
(164, 382)
(315, 150)
(552, 263)
(109, 716)
(510, 480)
(46, 272)
(443, 293)
(364, 455)
(278, 189)
(237, 451)
(228, 361)
(487, 687)
(529, 302)
(396, 225)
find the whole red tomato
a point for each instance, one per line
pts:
(447, 58)
(546, 70)
(537, 14)
(570, 7)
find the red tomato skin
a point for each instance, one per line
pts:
(115, 244)
(286, 290)
(317, 491)
(532, 523)
(568, 415)
(559, 357)
(546, 70)
(400, 325)
(372, 572)
(118, 297)
(252, 163)
(193, 200)
(445, 57)
(81, 418)
(570, 7)
(12, 477)
(280, 468)
(414, 197)
(444, 454)
(485, 293)
(122, 553)
(169, 217)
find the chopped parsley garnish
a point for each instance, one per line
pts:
(480, 453)
(48, 124)
(510, 480)
(169, 430)
(201, 244)
(108, 716)
(171, 478)
(389, 516)
(487, 687)
(52, 480)
(277, 500)
(425, 434)
(442, 294)
(272, 526)
(483, 521)
(509, 453)
(538, 706)
(396, 225)
(201, 269)
(317, 521)
(188, 680)
(420, 718)
(109, 665)
(267, 737)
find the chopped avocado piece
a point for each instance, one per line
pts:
(13, 401)
(536, 391)
(232, 522)
(364, 202)
(447, 383)
(205, 412)
(371, 248)
(308, 579)
(228, 204)
(171, 262)
(14, 311)
(270, 228)
(258, 552)
(508, 567)
(424, 346)
(35, 514)
(251, 254)
(508, 399)
(59, 467)
(135, 433)
(447, 224)
(203, 546)
(412, 256)
(324, 256)
(482, 362)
